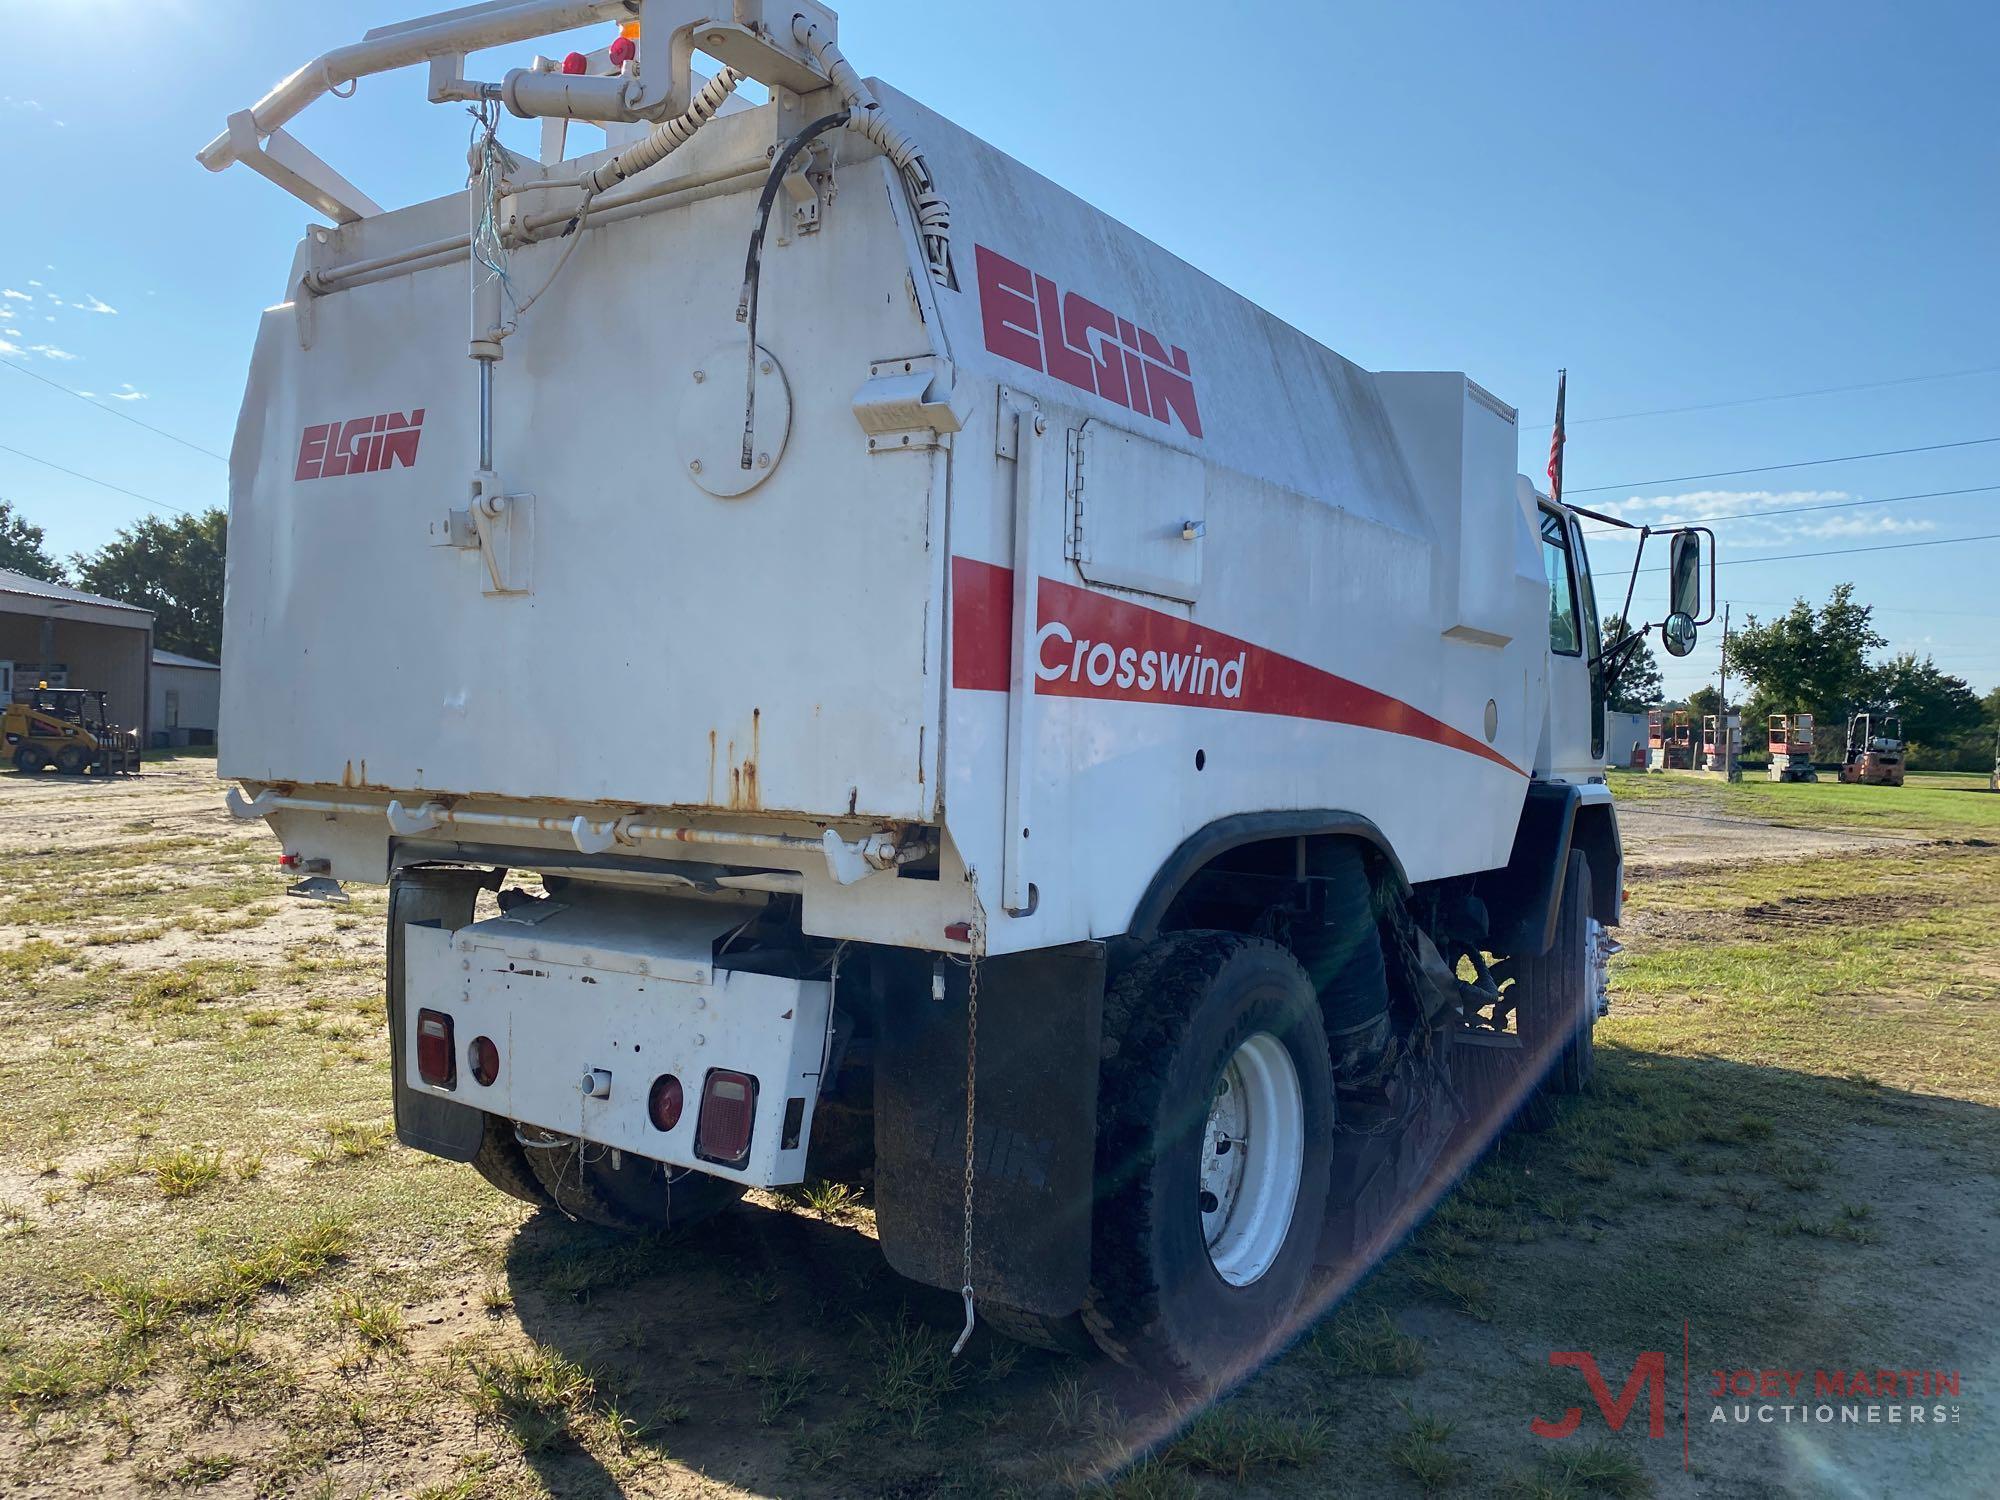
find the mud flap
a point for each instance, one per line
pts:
(1041, 1020)
(423, 897)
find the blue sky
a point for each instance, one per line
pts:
(1683, 204)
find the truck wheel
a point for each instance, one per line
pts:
(1559, 994)
(635, 1193)
(29, 760)
(503, 1163)
(72, 760)
(1215, 1125)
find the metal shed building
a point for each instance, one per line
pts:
(50, 632)
(186, 698)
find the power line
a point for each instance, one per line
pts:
(113, 411)
(1826, 390)
(1799, 510)
(1942, 541)
(92, 479)
(1804, 463)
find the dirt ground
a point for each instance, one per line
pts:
(219, 1273)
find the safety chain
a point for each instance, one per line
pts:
(973, 961)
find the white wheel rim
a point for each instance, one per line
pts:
(1252, 1156)
(1600, 946)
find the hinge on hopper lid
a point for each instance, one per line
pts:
(906, 405)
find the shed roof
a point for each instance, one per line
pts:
(40, 588)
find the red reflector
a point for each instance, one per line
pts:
(485, 1061)
(436, 1063)
(288, 861)
(664, 1103)
(623, 51)
(576, 62)
(728, 1111)
(958, 932)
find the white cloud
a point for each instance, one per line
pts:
(1702, 505)
(33, 282)
(1863, 526)
(54, 300)
(12, 295)
(91, 304)
(8, 347)
(128, 392)
(50, 351)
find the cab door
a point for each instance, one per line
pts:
(1576, 724)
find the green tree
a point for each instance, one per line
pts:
(21, 548)
(1635, 685)
(1811, 660)
(172, 566)
(1937, 708)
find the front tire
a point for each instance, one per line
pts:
(29, 760)
(1215, 1126)
(1561, 991)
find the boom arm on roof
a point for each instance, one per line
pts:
(756, 37)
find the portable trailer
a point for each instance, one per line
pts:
(1790, 737)
(1874, 750)
(1111, 745)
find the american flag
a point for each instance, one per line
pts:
(1556, 440)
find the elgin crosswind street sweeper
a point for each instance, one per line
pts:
(989, 708)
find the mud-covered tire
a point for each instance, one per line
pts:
(1556, 1004)
(503, 1163)
(1066, 1335)
(635, 1194)
(1173, 1023)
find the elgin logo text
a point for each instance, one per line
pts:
(1032, 321)
(364, 445)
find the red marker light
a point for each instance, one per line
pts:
(665, 1101)
(623, 51)
(435, 1063)
(958, 932)
(485, 1057)
(728, 1114)
(576, 62)
(288, 861)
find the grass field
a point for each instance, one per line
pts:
(218, 1273)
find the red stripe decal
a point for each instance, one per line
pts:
(1092, 645)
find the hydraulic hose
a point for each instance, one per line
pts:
(753, 260)
(867, 118)
(665, 138)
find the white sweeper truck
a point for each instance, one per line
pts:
(978, 706)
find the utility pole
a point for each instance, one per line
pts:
(1724, 740)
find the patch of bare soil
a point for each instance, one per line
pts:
(1799, 914)
(1686, 835)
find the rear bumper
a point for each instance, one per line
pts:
(589, 1006)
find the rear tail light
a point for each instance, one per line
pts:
(663, 1104)
(728, 1111)
(437, 1062)
(485, 1060)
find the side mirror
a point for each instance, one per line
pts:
(1678, 633)
(1684, 581)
